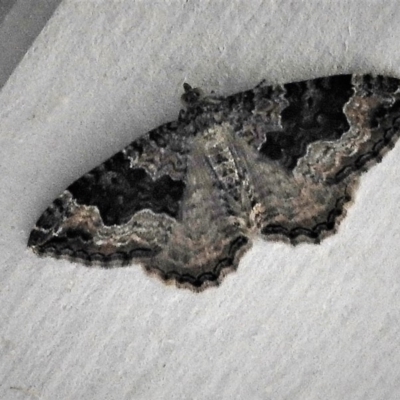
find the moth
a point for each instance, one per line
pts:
(186, 199)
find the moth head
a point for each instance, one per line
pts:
(191, 95)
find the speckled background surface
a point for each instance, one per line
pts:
(310, 322)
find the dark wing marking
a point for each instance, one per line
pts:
(314, 112)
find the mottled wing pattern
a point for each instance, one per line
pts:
(109, 215)
(329, 131)
(186, 199)
(156, 203)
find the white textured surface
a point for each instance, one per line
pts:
(311, 322)
(20, 23)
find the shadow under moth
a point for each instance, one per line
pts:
(185, 200)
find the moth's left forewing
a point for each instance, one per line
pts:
(158, 202)
(122, 209)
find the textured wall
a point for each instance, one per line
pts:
(20, 22)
